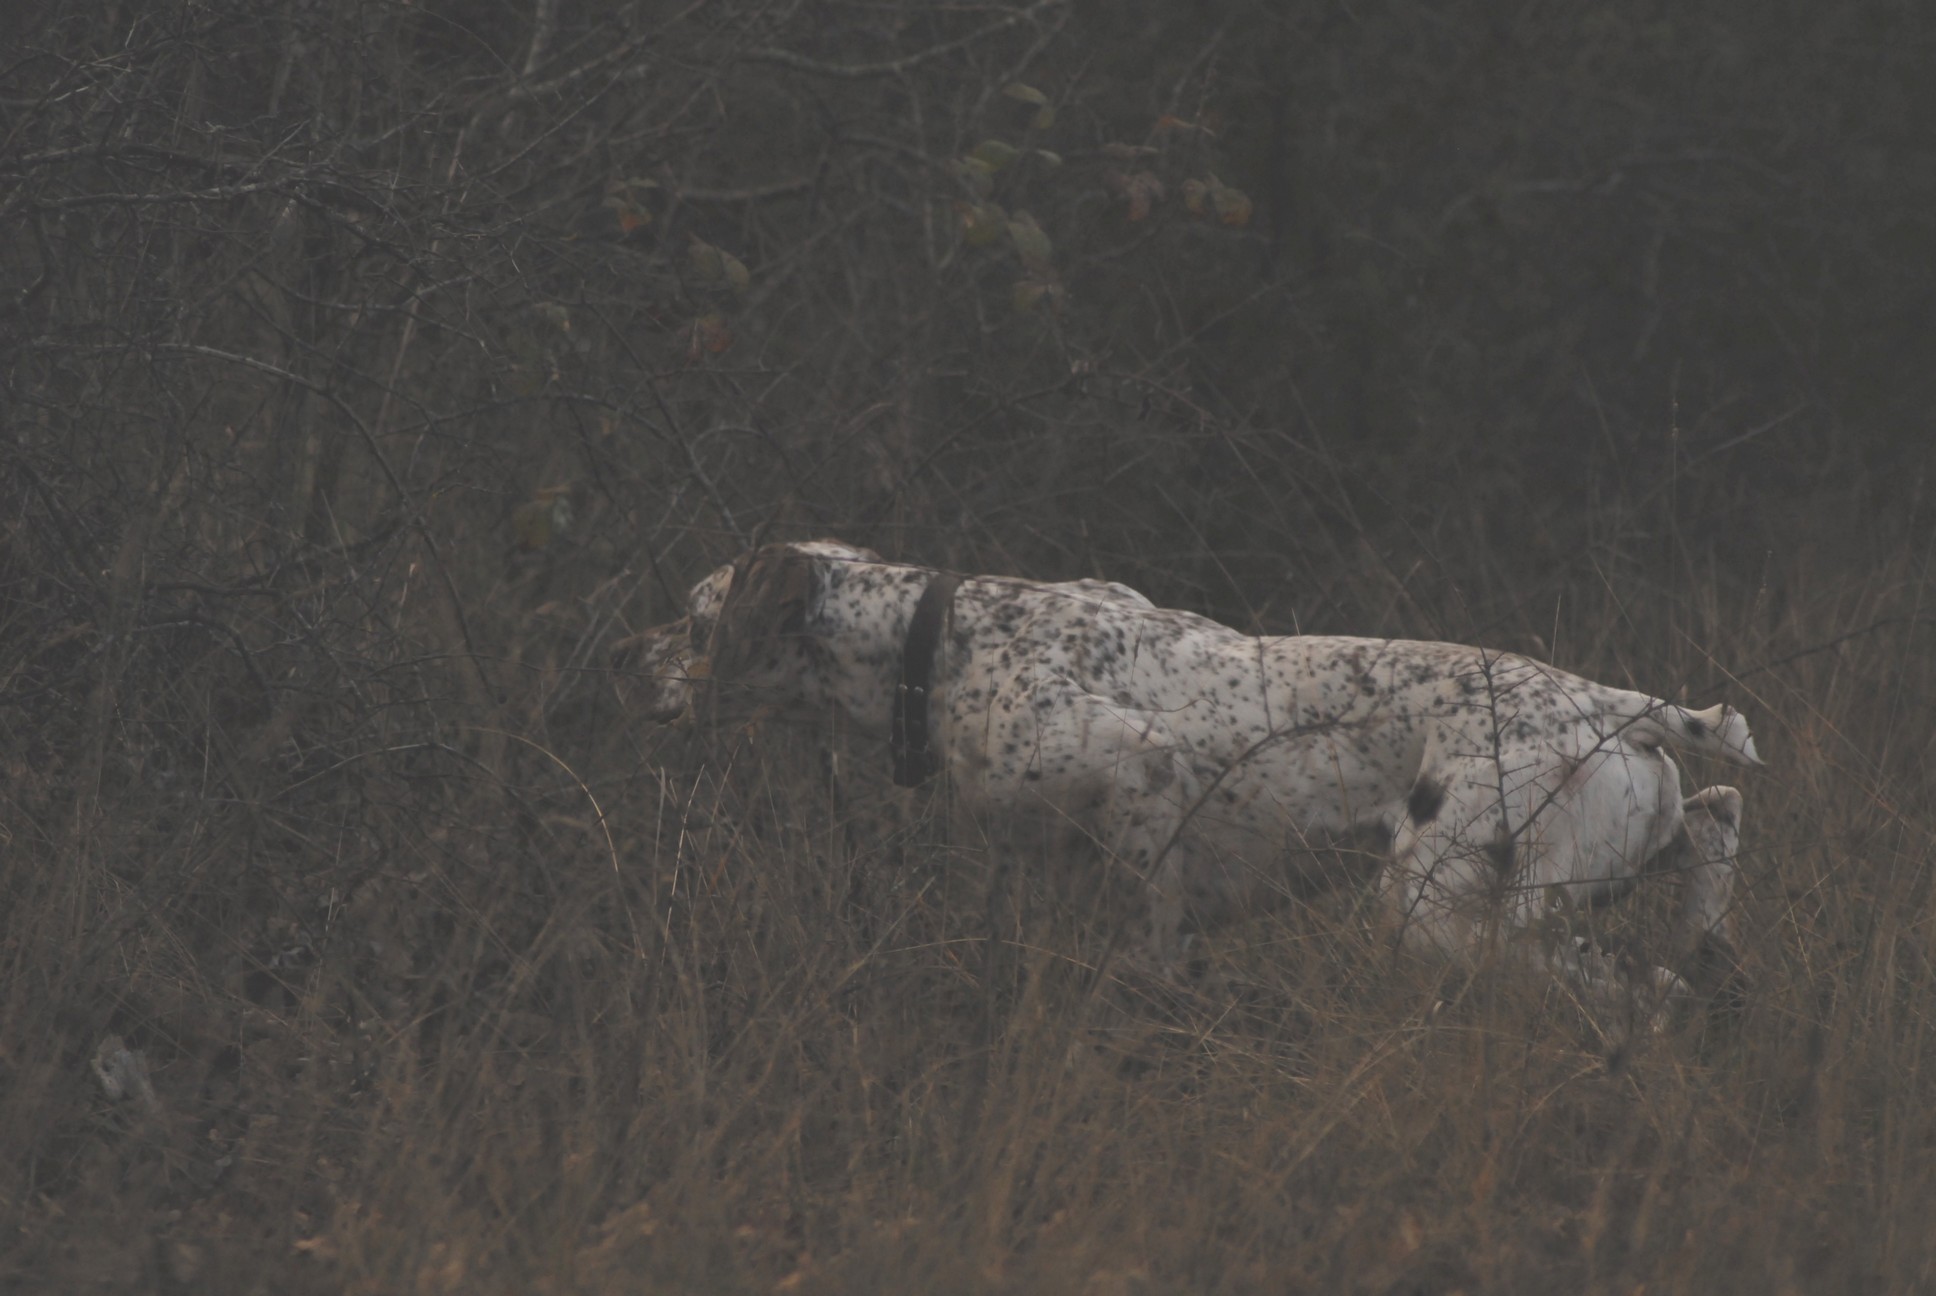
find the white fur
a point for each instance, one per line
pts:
(1209, 761)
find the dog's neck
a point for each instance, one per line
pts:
(860, 628)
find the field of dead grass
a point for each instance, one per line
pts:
(369, 369)
(509, 993)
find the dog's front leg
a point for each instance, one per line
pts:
(1119, 771)
(1144, 794)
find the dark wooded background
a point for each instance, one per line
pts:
(370, 367)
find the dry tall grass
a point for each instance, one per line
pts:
(369, 368)
(559, 1003)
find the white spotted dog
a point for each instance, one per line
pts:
(1211, 761)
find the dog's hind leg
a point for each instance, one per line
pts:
(1704, 856)
(1502, 859)
(1625, 995)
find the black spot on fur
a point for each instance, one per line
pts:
(1696, 727)
(1426, 800)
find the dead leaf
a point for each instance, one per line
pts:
(623, 197)
(1141, 190)
(1028, 294)
(1031, 244)
(1044, 111)
(976, 176)
(981, 223)
(707, 262)
(1171, 124)
(709, 335)
(1232, 205)
(993, 154)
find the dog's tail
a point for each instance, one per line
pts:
(1718, 731)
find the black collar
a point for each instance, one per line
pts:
(915, 761)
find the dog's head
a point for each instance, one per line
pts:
(654, 671)
(748, 623)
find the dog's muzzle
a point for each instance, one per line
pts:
(657, 673)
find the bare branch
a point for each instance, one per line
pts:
(894, 67)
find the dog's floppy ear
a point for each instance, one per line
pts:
(766, 604)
